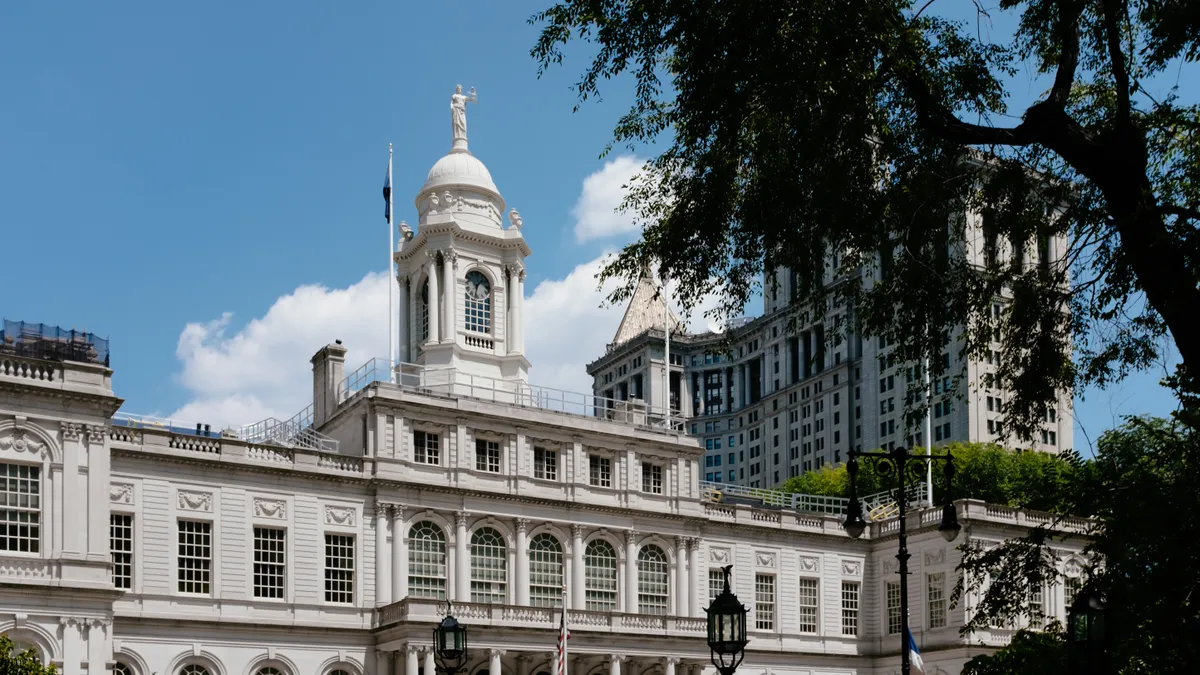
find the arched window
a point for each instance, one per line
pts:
(479, 303)
(337, 671)
(426, 562)
(268, 670)
(545, 571)
(489, 566)
(600, 576)
(193, 669)
(20, 646)
(652, 580)
(425, 311)
(122, 669)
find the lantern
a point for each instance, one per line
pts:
(450, 645)
(727, 629)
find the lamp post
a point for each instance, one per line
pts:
(1085, 631)
(899, 461)
(450, 644)
(726, 629)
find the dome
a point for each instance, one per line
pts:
(459, 168)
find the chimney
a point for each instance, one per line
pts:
(329, 367)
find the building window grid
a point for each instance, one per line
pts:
(599, 471)
(894, 622)
(808, 607)
(850, 591)
(764, 602)
(545, 571)
(339, 568)
(193, 669)
(20, 508)
(478, 307)
(1037, 607)
(936, 594)
(120, 537)
(487, 456)
(545, 464)
(122, 669)
(427, 561)
(600, 576)
(716, 583)
(195, 556)
(652, 478)
(426, 448)
(653, 580)
(270, 560)
(489, 567)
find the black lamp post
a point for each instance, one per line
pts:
(1085, 631)
(450, 644)
(899, 461)
(726, 629)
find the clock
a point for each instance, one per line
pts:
(478, 287)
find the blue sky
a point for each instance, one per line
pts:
(201, 183)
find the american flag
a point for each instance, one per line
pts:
(563, 635)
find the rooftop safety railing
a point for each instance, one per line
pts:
(296, 432)
(454, 383)
(874, 505)
(51, 343)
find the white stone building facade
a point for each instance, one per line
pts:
(327, 544)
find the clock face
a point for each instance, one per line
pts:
(478, 287)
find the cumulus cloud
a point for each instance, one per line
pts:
(596, 211)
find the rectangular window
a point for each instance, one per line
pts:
(599, 471)
(1071, 588)
(893, 608)
(20, 508)
(652, 478)
(764, 602)
(1037, 607)
(120, 537)
(270, 560)
(850, 607)
(195, 556)
(716, 583)
(937, 599)
(339, 568)
(487, 456)
(425, 448)
(545, 464)
(808, 606)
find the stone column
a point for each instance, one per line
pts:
(383, 662)
(399, 569)
(413, 318)
(694, 562)
(494, 661)
(450, 296)
(98, 649)
(681, 580)
(554, 662)
(97, 493)
(410, 659)
(72, 645)
(522, 575)
(383, 557)
(519, 322)
(435, 307)
(578, 571)
(73, 523)
(672, 661)
(401, 319)
(614, 663)
(462, 548)
(430, 666)
(631, 577)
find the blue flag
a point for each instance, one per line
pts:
(914, 656)
(387, 194)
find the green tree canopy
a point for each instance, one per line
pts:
(25, 662)
(869, 128)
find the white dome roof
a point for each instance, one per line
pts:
(459, 168)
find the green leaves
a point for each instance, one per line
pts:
(13, 662)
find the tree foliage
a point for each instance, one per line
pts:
(800, 128)
(1029, 653)
(25, 662)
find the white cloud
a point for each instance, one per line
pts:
(596, 211)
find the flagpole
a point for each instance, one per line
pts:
(391, 278)
(562, 635)
(928, 435)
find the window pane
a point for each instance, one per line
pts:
(426, 561)
(893, 608)
(936, 594)
(652, 580)
(120, 536)
(545, 572)
(808, 606)
(489, 566)
(850, 607)
(269, 561)
(20, 508)
(764, 602)
(600, 576)
(195, 556)
(339, 568)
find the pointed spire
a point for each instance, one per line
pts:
(647, 310)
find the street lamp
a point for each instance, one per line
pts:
(726, 629)
(1085, 629)
(450, 643)
(899, 461)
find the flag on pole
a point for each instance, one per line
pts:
(914, 656)
(387, 193)
(563, 635)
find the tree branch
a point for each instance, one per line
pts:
(1112, 33)
(1181, 211)
(1068, 58)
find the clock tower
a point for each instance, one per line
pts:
(461, 275)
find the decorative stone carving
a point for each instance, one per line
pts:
(764, 559)
(193, 500)
(1073, 568)
(20, 441)
(460, 518)
(522, 525)
(719, 555)
(96, 434)
(890, 566)
(270, 508)
(631, 536)
(453, 257)
(71, 431)
(693, 543)
(458, 113)
(935, 556)
(433, 205)
(852, 568)
(120, 493)
(514, 220)
(339, 515)
(809, 563)
(405, 231)
(577, 531)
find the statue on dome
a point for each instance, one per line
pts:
(515, 221)
(458, 112)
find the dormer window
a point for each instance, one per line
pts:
(478, 303)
